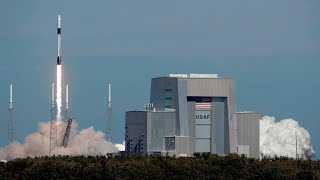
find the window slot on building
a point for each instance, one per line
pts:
(168, 98)
(168, 90)
(167, 106)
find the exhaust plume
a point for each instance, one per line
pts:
(85, 142)
(59, 90)
(279, 139)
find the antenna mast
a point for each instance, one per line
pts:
(10, 122)
(109, 118)
(53, 124)
(67, 101)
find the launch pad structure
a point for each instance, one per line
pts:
(53, 125)
(66, 135)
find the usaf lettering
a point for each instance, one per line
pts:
(202, 116)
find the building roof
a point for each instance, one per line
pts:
(154, 111)
(248, 112)
(194, 75)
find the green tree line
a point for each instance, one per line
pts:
(200, 166)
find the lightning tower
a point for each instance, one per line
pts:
(10, 122)
(109, 118)
(53, 124)
(67, 101)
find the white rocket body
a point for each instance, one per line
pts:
(59, 41)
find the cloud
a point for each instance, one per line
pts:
(121, 147)
(276, 139)
(86, 142)
(279, 138)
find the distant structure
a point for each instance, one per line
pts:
(248, 133)
(67, 101)
(10, 121)
(53, 125)
(192, 113)
(66, 135)
(109, 117)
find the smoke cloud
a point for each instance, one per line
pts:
(121, 147)
(279, 138)
(276, 139)
(86, 142)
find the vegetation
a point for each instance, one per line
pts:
(201, 166)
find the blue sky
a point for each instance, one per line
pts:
(271, 48)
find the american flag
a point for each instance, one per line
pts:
(203, 105)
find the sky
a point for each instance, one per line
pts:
(271, 48)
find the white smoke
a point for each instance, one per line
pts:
(86, 142)
(59, 91)
(276, 139)
(121, 147)
(279, 138)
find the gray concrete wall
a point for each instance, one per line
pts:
(219, 87)
(220, 126)
(183, 87)
(160, 124)
(154, 125)
(136, 123)
(159, 87)
(192, 125)
(249, 132)
(182, 107)
(228, 129)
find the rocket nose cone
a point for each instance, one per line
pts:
(59, 21)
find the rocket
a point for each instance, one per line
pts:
(59, 41)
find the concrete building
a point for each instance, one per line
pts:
(190, 113)
(148, 128)
(249, 133)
